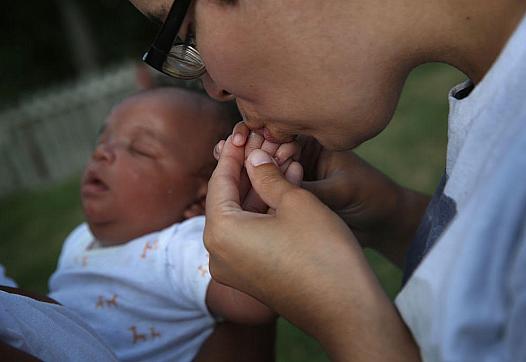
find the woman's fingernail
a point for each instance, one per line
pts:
(238, 139)
(259, 157)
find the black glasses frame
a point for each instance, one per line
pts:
(160, 48)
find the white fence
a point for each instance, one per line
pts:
(51, 136)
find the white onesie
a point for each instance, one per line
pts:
(144, 298)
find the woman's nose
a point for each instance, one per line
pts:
(217, 93)
(104, 152)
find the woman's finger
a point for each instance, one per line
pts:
(254, 203)
(223, 188)
(266, 178)
(218, 149)
(240, 134)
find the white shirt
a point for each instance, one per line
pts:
(144, 298)
(466, 300)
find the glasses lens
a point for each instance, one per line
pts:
(184, 62)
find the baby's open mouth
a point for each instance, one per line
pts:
(93, 184)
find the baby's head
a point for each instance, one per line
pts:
(152, 162)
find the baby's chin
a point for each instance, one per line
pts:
(118, 231)
(104, 234)
(95, 215)
(106, 230)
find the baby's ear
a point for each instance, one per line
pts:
(197, 207)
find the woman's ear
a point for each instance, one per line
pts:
(197, 207)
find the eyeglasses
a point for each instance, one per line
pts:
(171, 55)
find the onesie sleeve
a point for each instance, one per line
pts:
(188, 263)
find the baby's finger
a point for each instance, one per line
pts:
(283, 168)
(286, 151)
(218, 149)
(294, 173)
(270, 147)
(240, 134)
(254, 141)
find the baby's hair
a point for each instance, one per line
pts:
(217, 118)
(226, 112)
(149, 79)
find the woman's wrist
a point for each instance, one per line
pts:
(399, 227)
(353, 318)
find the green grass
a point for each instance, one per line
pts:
(34, 225)
(411, 150)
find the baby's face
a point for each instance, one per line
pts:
(140, 178)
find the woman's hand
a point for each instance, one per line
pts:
(300, 259)
(283, 156)
(382, 214)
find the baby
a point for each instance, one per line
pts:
(137, 270)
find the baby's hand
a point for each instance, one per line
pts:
(284, 155)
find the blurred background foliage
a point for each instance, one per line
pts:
(45, 43)
(50, 43)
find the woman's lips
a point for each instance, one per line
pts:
(259, 128)
(267, 134)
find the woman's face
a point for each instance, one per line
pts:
(297, 67)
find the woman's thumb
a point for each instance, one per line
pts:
(266, 178)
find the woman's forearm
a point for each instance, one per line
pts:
(400, 228)
(353, 318)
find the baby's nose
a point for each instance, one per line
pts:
(104, 152)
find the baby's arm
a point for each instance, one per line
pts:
(236, 306)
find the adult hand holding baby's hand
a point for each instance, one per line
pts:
(382, 214)
(283, 156)
(295, 258)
